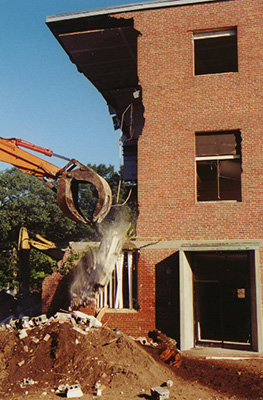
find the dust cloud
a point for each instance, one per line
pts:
(94, 270)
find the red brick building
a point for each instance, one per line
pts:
(183, 80)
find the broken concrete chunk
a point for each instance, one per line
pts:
(63, 317)
(74, 391)
(100, 389)
(76, 328)
(40, 319)
(25, 322)
(47, 336)
(22, 334)
(62, 388)
(83, 318)
(159, 393)
(143, 341)
(21, 363)
(27, 382)
(93, 322)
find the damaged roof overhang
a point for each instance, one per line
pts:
(104, 46)
(104, 49)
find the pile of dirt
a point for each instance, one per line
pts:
(58, 353)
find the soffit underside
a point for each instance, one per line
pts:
(108, 58)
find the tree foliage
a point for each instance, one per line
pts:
(26, 201)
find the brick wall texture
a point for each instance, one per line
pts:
(177, 105)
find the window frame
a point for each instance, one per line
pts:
(218, 158)
(121, 293)
(226, 57)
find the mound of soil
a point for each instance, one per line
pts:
(55, 353)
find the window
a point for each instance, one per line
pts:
(215, 52)
(218, 165)
(121, 291)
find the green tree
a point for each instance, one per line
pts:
(26, 201)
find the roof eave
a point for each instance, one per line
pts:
(125, 8)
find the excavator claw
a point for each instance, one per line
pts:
(67, 193)
(68, 178)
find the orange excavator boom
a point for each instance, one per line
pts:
(68, 177)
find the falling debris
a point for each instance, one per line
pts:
(94, 270)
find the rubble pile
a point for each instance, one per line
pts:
(72, 355)
(72, 352)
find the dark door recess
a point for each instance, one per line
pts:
(222, 298)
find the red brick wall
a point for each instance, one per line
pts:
(178, 104)
(49, 288)
(141, 322)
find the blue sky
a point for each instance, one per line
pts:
(44, 99)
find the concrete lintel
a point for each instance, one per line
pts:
(199, 245)
(223, 247)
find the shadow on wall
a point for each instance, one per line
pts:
(167, 297)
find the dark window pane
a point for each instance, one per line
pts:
(230, 179)
(216, 55)
(207, 180)
(218, 143)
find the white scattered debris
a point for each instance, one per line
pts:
(47, 337)
(27, 382)
(74, 391)
(22, 334)
(21, 363)
(85, 319)
(23, 325)
(62, 388)
(77, 329)
(25, 322)
(159, 393)
(41, 319)
(63, 317)
(99, 388)
(7, 321)
(143, 341)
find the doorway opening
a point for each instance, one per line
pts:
(222, 299)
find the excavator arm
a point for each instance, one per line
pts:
(68, 178)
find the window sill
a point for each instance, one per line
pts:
(216, 73)
(218, 201)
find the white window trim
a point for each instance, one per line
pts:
(227, 157)
(214, 34)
